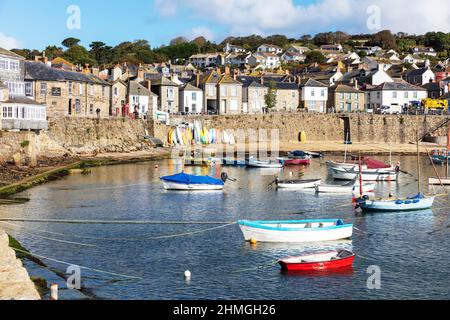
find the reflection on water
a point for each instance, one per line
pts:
(411, 248)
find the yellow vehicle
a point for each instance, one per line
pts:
(434, 104)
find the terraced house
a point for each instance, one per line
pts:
(67, 93)
(17, 112)
(343, 98)
(222, 93)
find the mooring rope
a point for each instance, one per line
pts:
(74, 264)
(258, 268)
(133, 238)
(111, 221)
(47, 238)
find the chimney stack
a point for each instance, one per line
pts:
(227, 70)
(356, 84)
(148, 85)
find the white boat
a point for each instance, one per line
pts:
(436, 181)
(298, 184)
(419, 202)
(367, 175)
(186, 182)
(264, 164)
(296, 231)
(346, 189)
(343, 165)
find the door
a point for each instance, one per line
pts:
(70, 107)
(349, 107)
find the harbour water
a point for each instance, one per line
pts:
(411, 249)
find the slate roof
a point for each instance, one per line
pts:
(42, 72)
(190, 87)
(432, 86)
(136, 89)
(416, 72)
(344, 89)
(159, 80)
(311, 83)
(4, 52)
(22, 100)
(398, 86)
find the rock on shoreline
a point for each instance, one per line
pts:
(15, 283)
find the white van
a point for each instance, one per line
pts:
(392, 109)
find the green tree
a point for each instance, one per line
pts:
(178, 40)
(70, 42)
(385, 39)
(440, 41)
(314, 57)
(100, 52)
(271, 97)
(79, 55)
(53, 52)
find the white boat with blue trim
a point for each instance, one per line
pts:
(187, 182)
(296, 231)
(418, 202)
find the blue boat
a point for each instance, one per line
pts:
(187, 182)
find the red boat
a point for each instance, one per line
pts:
(319, 262)
(297, 162)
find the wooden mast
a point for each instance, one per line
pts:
(446, 151)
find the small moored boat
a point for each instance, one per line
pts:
(367, 175)
(264, 164)
(437, 181)
(296, 231)
(418, 202)
(344, 189)
(319, 262)
(296, 162)
(298, 184)
(187, 182)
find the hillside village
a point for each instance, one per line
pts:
(330, 78)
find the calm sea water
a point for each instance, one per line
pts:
(411, 249)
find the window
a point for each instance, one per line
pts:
(233, 91)
(356, 96)
(3, 64)
(194, 96)
(103, 91)
(70, 88)
(342, 96)
(91, 108)
(28, 89)
(233, 105)
(312, 105)
(14, 65)
(415, 94)
(81, 89)
(378, 95)
(116, 91)
(294, 94)
(349, 96)
(91, 90)
(170, 93)
(313, 93)
(394, 94)
(223, 91)
(16, 88)
(341, 106)
(356, 105)
(77, 106)
(406, 94)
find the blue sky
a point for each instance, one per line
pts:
(158, 21)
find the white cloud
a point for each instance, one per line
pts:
(9, 42)
(243, 17)
(201, 32)
(166, 8)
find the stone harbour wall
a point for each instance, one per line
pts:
(324, 127)
(15, 283)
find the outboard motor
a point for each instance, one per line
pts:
(224, 176)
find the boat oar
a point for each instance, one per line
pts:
(409, 174)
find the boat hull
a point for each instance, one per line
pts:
(436, 181)
(190, 187)
(297, 162)
(285, 235)
(293, 264)
(368, 175)
(264, 165)
(395, 205)
(299, 185)
(346, 189)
